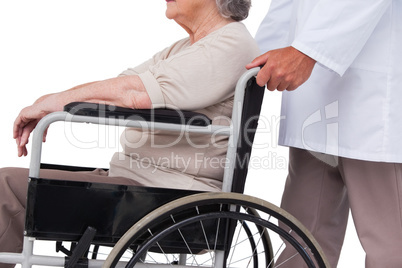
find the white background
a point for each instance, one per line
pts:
(48, 46)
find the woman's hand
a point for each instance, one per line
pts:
(29, 117)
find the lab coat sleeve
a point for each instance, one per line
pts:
(274, 30)
(336, 31)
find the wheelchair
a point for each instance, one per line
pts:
(168, 227)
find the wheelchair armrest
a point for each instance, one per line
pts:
(151, 115)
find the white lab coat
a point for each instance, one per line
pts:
(352, 104)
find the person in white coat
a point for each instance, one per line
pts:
(344, 121)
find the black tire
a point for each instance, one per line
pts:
(224, 210)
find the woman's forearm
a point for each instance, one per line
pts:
(124, 91)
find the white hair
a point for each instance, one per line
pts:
(234, 9)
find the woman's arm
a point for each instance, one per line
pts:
(125, 91)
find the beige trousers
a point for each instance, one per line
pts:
(13, 191)
(320, 196)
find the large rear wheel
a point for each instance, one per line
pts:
(201, 227)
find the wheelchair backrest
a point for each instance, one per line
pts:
(253, 97)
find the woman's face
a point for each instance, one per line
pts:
(184, 11)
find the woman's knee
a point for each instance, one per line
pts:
(14, 181)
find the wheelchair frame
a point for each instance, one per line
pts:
(27, 258)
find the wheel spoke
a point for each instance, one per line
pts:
(255, 241)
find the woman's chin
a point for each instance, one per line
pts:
(169, 14)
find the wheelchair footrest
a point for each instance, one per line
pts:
(81, 249)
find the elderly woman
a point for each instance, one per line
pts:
(197, 73)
